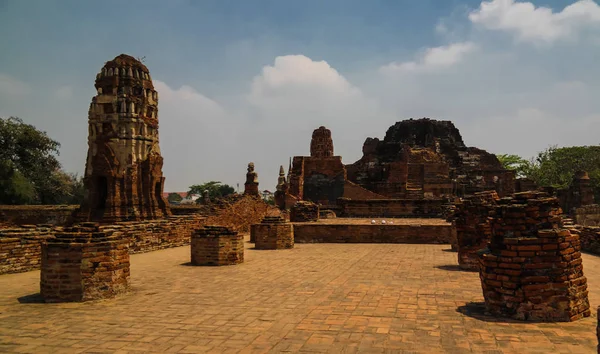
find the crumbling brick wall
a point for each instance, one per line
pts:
(473, 227)
(152, 235)
(36, 214)
(590, 239)
(20, 248)
(391, 208)
(356, 233)
(240, 212)
(317, 179)
(304, 211)
(588, 215)
(533, 269)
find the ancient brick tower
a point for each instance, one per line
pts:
(321, 144)
(123, 174)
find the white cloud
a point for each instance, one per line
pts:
(204, 140)
(13, 87)
(196, 136)
(292, 74)
(539, 25)
(433, 59)
(306, 94)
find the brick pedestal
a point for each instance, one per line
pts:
(273, 233)
(216, 246)
(83, 264)
(533, 269)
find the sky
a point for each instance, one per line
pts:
(241, 81)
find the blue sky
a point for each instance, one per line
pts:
(244, 81)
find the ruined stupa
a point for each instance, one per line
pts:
(123, 175)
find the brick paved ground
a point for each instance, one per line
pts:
(337, 298)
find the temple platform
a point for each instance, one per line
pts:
(314, 298)
(363, 230)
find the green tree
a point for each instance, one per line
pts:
(215, 189)
(14, 187)
(174, 198)
(64, 188)
(556, 167)
(515, 163)
(29, 170)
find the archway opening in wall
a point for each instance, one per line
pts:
(158, 193)
(102, 185)
(157, 190)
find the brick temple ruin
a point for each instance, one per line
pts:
(123, 174)
(417, 167)
(529, 262)
(427, 158)
(322, 177)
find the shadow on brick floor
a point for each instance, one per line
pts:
(31, 299)
(454, 268)
(477, 311)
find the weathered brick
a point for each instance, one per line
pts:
(550, 286)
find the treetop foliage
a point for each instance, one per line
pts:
(174, 198)
(215, 189)
(29, 170)
(556, 167)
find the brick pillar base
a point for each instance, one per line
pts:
(273, 233)
(84, 264)
(216, 246)
(533, 269)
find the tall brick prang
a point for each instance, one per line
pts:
(321, 144)
(123, 174)
(83, 263)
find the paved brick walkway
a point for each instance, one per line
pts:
(337, 298)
